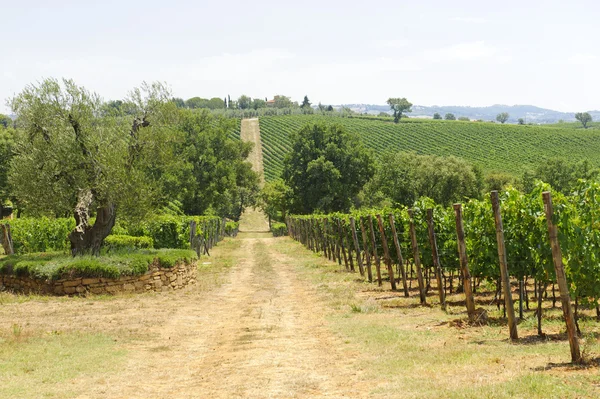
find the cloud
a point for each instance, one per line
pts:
(470, 20)
(465, 52)
(583, 58)
(393, 43)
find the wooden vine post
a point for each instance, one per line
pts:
(341, 243)
(561, 279)
(386, 252)
(508, 301)
(356, 247)
(417, 257)
(324, 239)
(349, 245)
(464, 263)
(436, 258)
(399, 254)
(374, 249)
(366, 249)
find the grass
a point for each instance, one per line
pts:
(57, 265)
(32, 365)
(66, 347)
(411, 351)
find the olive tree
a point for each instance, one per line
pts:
(72, 158)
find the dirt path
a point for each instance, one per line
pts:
(260, 335)
(253, 219)
(250, 131)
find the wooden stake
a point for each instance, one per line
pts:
(341, 243)
(561, 279)
(366, 251)
(375, 254)
(415, 248)
(399, 254)
(464, 263)
(356, 247)
(386, 252)
(436, 258)
(508, 301)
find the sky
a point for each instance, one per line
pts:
(476, 53)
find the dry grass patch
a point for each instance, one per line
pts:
(413, 351)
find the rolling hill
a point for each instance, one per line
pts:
(495, 147)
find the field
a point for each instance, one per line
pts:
(495, 147)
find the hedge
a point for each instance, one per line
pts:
(119, 241)
(55, 266)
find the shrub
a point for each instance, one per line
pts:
(279, 229)
(116, 242)
(231, 228)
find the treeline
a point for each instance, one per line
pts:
(73, 154)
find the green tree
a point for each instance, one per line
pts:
(399, 106)
(215, 103)
(326, 168)
(464, 118)
(305, 103)
(5, 121)
(244, 102)
(521, 121)
(213, 176)
(275, 198)
(283, 102)
(258, 103)
(179, 102)
(450, 117)
(502, 117)
(69, 158)
(584, 118)
(437, 116)
(405, 177)
(498, 181)
(196, 102)
(329, 108)
(563, 174)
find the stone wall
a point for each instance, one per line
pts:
(156, 279)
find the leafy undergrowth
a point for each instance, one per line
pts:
(58, 265)
(411, 351)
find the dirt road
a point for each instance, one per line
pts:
(262, 334)
(253, 219)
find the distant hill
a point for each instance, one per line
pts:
(530, 113)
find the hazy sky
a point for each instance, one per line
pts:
(545, 53)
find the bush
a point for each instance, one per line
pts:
(279, 229)
(232, 228)
(116, 242)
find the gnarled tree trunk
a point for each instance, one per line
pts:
(85, 238)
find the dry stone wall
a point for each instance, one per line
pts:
(156, 279)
